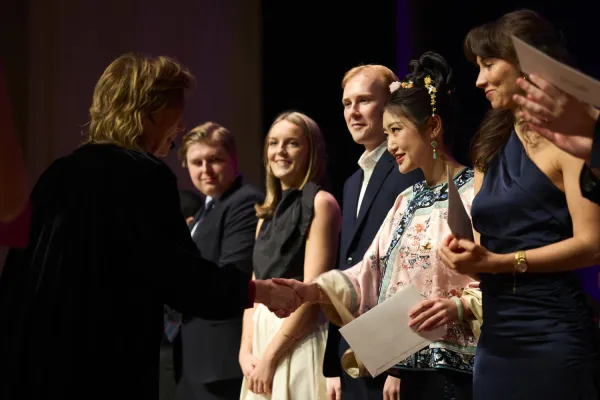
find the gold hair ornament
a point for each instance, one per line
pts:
(428, 83)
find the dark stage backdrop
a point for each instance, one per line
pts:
(308, 45)
(307, 48)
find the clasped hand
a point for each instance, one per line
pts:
(467, 257)
(284, 296)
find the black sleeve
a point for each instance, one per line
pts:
(332, 364)
(239, 231)
(590, 184)
(173, 265)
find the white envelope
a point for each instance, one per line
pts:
(458, 218)
(568, 79)
(381, 337)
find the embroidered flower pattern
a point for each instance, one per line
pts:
(411, 258)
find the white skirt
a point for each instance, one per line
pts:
(299, 374)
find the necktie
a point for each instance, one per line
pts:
(207, 209)
(172, 318)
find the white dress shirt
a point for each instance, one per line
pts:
(367, 163)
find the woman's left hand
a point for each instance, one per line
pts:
(261, 379)
(433, 313)
(466, 257)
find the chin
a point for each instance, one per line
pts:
(405, 169)
(360, 136)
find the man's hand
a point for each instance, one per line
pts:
(334, 388)
(308, 292)
(391, 389)
(280, 299)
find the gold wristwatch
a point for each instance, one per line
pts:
(520, 262)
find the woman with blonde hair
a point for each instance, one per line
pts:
(81, 307)
(297, 236)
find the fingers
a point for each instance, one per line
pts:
(549, 89)
(537, 112)
(391, 389)
(467, 244)
(448, 240)
(530, 118)
(436, 320)
(424, 315)
(285, 282)
(454, 246)
(334, 389)
(535, 95)
(330, 393)
(423, 305)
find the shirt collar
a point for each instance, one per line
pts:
(369, 159)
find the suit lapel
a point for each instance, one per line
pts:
(381, 171)
(230, 190)
(351, 199)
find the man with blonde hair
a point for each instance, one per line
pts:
(223, 230)
(368, 196)
(81, 306)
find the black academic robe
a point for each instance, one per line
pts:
(81, 308)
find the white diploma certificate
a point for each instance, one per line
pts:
(381, 337)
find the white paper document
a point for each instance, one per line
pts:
(568, 79)
(458, 218)
(381, 337)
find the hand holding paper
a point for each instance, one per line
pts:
(567, 79)
(379, 343)
(553, 104)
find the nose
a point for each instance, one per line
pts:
(391, 145)
(354, 111)
(281, 149)
(481, 82)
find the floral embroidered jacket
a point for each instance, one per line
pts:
(404, 252)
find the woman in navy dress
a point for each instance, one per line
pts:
(536, 235)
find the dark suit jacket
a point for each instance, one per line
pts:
(225, 236)
(385, 185)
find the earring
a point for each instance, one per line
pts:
(434, 145)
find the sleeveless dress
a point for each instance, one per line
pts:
(279, 253)
(538, 340)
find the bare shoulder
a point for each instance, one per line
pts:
(326, 203)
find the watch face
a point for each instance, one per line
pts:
(522, 267)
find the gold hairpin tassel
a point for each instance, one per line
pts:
(432, 91)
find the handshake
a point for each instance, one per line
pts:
(284, 296)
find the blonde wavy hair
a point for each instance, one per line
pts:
(133, 87)
(317, 160)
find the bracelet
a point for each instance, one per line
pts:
(459, 306)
